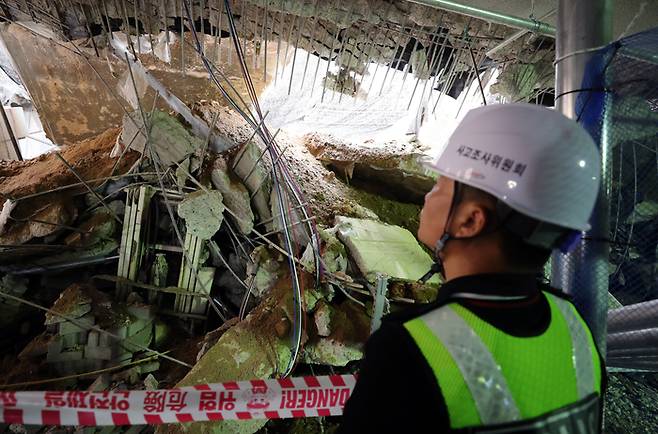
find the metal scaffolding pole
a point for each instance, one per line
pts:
(500, 18)
(583, 273)
(10, 133)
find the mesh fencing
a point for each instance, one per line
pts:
(621, 108)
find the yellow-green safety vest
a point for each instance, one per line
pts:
(488, 377)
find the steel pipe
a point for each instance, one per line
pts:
(492, 16)
(640, 365)
(616, 353)
(641, 359)
(583, 273)
(646, 338)
(633, 317)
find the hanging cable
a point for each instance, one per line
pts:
(277, 169)
(297, 290)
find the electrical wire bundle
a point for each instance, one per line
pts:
(286, 188)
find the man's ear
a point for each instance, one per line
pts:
(470, 220)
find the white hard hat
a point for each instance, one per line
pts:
(537, 161)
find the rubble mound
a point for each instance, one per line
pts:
(394, 168)
(39, 192)
(89, 158)
(179, 274)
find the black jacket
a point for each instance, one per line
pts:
(397, 391)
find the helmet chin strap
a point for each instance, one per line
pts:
(438, 267)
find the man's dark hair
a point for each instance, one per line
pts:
(517, 252)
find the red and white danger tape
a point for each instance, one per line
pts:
(254, 399)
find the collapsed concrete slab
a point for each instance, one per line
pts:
(235, 195)
(394, 168)
(251, 349)
(252, 168)
(167, 137)
(324, 196)
(380, 248)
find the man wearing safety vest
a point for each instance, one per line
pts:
(497, 352)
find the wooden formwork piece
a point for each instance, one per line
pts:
(132, 235)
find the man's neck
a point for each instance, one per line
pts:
(475, 264)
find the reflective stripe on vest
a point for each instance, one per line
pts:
(582, 359)
(480, 371)
(476, 372)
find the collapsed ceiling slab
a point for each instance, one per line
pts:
(398, 33)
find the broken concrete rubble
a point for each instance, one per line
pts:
(334, 255)
(326, 196)
(247, 350)
(77, 341)
(235, 195)
(342, 333)
(254, 173)
(167, 138)
(396, 168)
(380, 248)
(203, 213)
(263, 271)
(73, 346)
(193, 254)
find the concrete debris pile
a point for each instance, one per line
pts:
(395, 167)
(159, 261)
(75, 338)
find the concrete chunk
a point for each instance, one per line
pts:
(394, 165)
(322, 318)
(380, 248)
(169, 139)
(248, 350)
(202, 212)
(263, 271)
(331, 352)
(73, 302)
(235, 194)
(254, 172)
(81, 325)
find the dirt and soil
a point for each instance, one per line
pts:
(89, 158)
(44, 214)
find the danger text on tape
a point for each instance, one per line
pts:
(255, 399)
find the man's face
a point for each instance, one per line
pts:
(435, 212)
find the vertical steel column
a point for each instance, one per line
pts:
(583, 273)
(10, 133)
